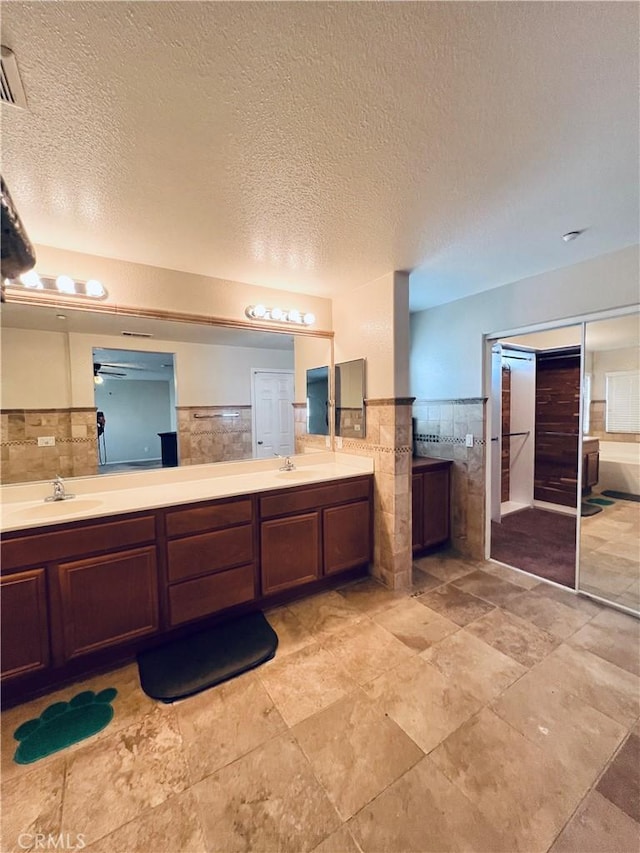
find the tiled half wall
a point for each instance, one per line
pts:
(74, 454)
(213, 434)
(441, 427)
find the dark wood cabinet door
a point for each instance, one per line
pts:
(107, 600)
(435, 514)
(346, 536)
(25, 623)
(590, 469)
(290, 551)
(416, 511)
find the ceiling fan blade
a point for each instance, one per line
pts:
(126, 366)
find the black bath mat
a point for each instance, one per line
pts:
(622, 496)
(186, 666)
(589, 509)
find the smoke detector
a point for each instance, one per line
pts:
(11, 88)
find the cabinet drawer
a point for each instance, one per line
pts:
(75, 540)
(25, 624)
(300, 499)
(203, 596)
(108, 600)
(209, 552)
(211, 517)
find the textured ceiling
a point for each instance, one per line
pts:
(315, 146)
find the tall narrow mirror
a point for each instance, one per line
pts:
(350, 392)
(318, 401)
(609, 565)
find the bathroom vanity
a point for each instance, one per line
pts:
(84, 594)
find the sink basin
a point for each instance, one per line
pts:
(56, 508)
(295, 475)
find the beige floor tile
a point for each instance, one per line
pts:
(325, 614)
(613, 636)
(32, 804)
(225, 722)
(598, 827)
(366, 650)
(305, 682)
(268, 800)
(483, 670)
(571, 599)
(369, 595)
(423, 702)
(488, 587)
(117, 778)
(129, 706)
(417, 626)
(561, 724)
(547, 613)
(422, 581)
(511, 575)
(355, 751)
(621, 782)
(423, 812)
(513, 636)
(340, 841)
(456, 605)
(172, 827)
(292, 635)
(611, 690)
(446, 566)
(515, 785)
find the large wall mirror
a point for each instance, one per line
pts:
(609, 565)
(350, 394)
(168, 392)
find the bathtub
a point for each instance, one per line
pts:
(619, 466)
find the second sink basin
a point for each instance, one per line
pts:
(56, 508)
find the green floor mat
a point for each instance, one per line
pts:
(622, 496)
(63, 724)
(600, 501)
(589, 509)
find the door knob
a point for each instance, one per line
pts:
(261, 442)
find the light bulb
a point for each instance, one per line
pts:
(259, 311)
(98, 379)
(65, 284)
(31, 279)
(276, 313)
(308, 318)
(294, 316)
(94, 288)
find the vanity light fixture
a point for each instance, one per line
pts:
(62, 284)
(299, 318)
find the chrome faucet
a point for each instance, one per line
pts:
(288, 464)
(59, 491)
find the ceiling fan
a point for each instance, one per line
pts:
(99, 371)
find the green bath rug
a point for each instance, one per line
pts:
(63, 724)
(600, 501)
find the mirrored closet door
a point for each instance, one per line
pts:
(609, 546)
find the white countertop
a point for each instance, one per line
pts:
(23, 506)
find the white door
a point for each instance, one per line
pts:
(273, 413)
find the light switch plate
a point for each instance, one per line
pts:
(46, 441)
(468, 440)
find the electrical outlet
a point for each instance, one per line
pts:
(339, 442)
(468, 441)
(356, 427)
(327, 441)
(46, 441)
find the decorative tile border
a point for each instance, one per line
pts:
(446, 439)
(33, 442)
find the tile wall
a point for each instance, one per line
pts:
(74, 454)
(304, 441)
(218, 434)
(441, 428)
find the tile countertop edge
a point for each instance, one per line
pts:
(16, 515)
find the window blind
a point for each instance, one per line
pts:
(623, 401)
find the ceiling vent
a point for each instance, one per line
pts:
(11, 88)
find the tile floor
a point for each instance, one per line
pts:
(610, 553)
(483, 712)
